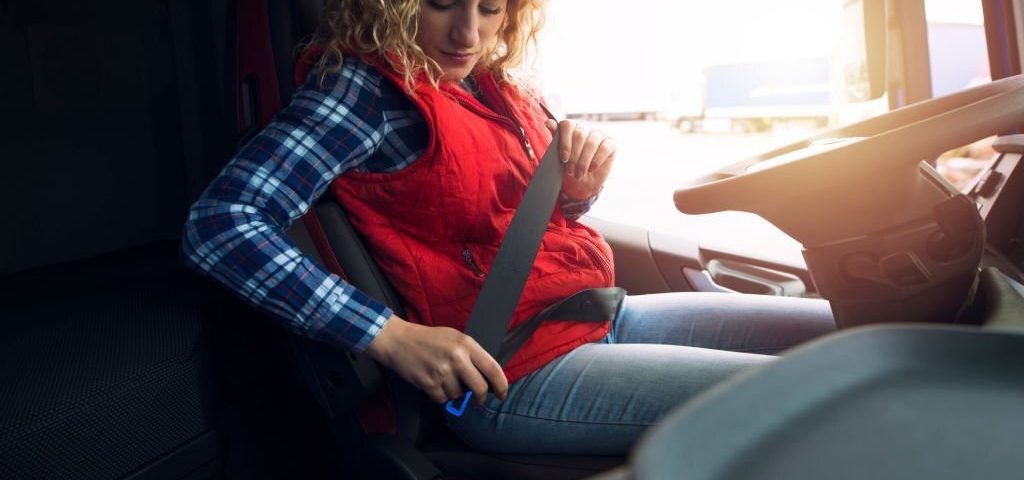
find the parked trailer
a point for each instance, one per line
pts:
(758, 96)
(762, 96)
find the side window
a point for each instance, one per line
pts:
(957, 51)
(958, 55)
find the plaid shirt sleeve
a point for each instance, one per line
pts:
(234, 232)
(573, 209)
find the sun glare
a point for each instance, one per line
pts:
(661, 49)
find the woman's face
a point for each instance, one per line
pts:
(455, 33)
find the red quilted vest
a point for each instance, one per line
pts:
(434, 227)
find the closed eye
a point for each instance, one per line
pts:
(443, 6)
(440, 5)
(490, 11)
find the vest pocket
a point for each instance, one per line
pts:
(470, 261)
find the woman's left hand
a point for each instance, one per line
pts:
(587, 155)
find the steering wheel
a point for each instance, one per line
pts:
(885, 237)
(862, 177)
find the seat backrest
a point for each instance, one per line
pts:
(331, 232)
(340, 382)
(327, 234)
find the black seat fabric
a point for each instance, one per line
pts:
(110, 127)
(103, 367)
(115, 361)
(129, 366)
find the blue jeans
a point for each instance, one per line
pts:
(662, 350)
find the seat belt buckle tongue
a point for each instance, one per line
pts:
(458, 411)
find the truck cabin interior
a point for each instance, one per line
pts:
(118, 363)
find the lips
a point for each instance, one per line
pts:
(459, 58)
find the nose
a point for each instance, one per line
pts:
(465, 29)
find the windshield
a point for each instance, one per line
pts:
(686, 88)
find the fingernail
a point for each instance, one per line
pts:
(564, 155)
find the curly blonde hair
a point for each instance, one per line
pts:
(386, 29)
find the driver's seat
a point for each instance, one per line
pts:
(383, 425)
(411, 438)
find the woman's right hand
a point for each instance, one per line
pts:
(438, 360)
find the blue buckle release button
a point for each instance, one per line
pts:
(458, 411)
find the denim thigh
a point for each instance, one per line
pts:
(663, 349)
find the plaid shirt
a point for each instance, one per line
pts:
(354, 121)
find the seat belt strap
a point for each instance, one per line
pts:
(596, 305)
(492, 312)
(493, 309)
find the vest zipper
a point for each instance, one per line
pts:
(526, 143)
(505, 122)
(519, 126)
(467, 256)
(509, 121)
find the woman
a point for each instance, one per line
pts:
(412, 121)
